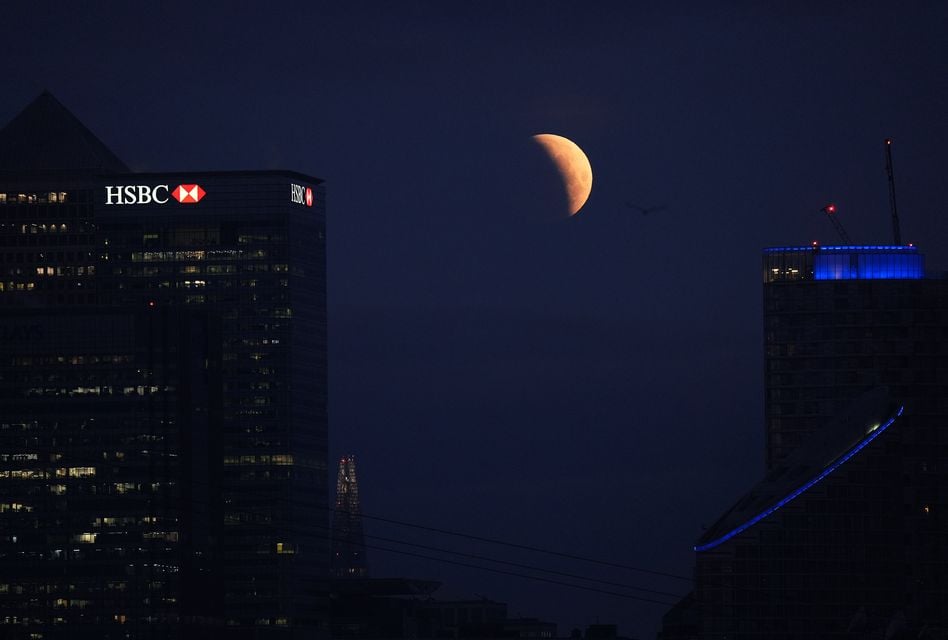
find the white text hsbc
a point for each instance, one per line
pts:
(159, 194)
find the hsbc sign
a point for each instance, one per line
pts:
(188, 193)
(301, 195)
(159, 194)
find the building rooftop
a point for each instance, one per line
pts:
(843, 262)
(46, 137)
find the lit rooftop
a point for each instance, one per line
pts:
(843, 262)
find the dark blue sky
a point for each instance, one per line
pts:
(590, 384)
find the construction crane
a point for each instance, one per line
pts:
(896, 231)
(830, 211)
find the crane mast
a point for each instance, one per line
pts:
(896, 231)
(830, 211)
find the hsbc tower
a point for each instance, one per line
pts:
(163, 390)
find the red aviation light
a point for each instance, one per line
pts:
(830, 208)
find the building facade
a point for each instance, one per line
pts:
(838, 321)
(844, 536)
(226, 267)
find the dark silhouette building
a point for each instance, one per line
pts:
(844, 536)
(163, 429)
(381, 607)
(348, 539)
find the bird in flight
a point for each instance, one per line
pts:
(646, 210)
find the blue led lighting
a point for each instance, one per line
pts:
(750, 523)
(855, 265)
(838, 247)
(867, 247)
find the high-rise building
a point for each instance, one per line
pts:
(348, 540)
(163, 425)
(844, 536)
(839, 320)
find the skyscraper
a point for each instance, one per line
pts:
(837, 321)
(164, 427)
(844, 536)
(348, 540)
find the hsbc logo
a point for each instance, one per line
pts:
(301, 195)
(188, 193)
(159, 194)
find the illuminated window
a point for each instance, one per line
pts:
(124, 487)
(170, 536)
(14, 506)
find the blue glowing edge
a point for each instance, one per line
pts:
(828, 470)
(844, 248)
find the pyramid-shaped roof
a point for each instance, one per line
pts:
(45, 136)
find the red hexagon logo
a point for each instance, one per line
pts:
(309, 197)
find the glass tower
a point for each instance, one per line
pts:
(216, 281)
(844, 536)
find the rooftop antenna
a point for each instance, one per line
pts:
(830, 211)
(896, 232)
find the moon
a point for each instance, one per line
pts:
(573, 166)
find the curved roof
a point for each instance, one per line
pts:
(824, 452)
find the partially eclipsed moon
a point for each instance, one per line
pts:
(573, 166)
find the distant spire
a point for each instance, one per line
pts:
(348, 540)
(46, 136)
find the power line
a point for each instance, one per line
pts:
(505, 543)
(475, 556)
(693, 581)
(524, 575)
(524, 547)
(535, 549)
(527, 566)
(292, 528)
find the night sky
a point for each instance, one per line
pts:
(589, 384)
